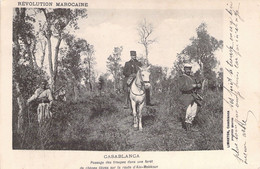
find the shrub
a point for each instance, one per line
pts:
(102, 105)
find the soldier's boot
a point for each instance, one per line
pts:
(148, 98)
(188, 127)
(127, 101)
(126, 106)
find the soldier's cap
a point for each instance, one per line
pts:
(187, 65)
(132, 53)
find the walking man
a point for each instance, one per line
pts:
(44, 99)
(130, 70)
(187, 86)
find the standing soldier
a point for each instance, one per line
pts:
(130, 69)
(187, 87)
(44, 99)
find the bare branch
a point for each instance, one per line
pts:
(145, 31)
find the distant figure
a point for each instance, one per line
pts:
(44, 99)
(187, 85)
(130, 69)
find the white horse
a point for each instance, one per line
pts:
(137, 95)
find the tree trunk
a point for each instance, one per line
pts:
(33, 53)
(89, 75)
(57, 48)
(43, 53)
(16, 48)
(20, 102)
(114, 84)
(115, 81)
(28, 51)
(48, 34)
(76, 92)
(202, 69)
(202, 75)
(19, 15)
(146, 53)
(50, 61)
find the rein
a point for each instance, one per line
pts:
(137, 94)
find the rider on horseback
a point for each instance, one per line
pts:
(130, 69)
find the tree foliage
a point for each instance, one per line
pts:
(26, 74)
(57, 25)
(114, 66)
(89, 62)
(158, 77)
(71, 60)
(24, 36)
(201, 50)
(72, 66)
(34, 31)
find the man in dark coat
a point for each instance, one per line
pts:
(187, 85)
(130, 69)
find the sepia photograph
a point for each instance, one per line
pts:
(129, 84)
(117, 80)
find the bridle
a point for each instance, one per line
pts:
(143, 82)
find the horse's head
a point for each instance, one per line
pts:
(145, 76)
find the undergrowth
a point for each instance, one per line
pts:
(99, 123)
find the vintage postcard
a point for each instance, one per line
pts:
(130, 84)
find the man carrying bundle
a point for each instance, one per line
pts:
(43, 97)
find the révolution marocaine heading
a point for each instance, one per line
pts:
(57, 4)
(122, 156)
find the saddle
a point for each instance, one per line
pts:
(130, 79)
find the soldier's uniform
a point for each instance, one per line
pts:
(186, 88)
(44, 99)
(187, 85)
(130, 70)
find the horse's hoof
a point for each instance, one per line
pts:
(135, 125)
(140, 129)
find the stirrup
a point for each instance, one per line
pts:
(126, 107)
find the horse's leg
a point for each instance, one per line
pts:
(140, 107)
(133, 104)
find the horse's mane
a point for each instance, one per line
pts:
(138, 78)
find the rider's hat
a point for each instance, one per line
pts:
(187, 65)
(132, 53)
